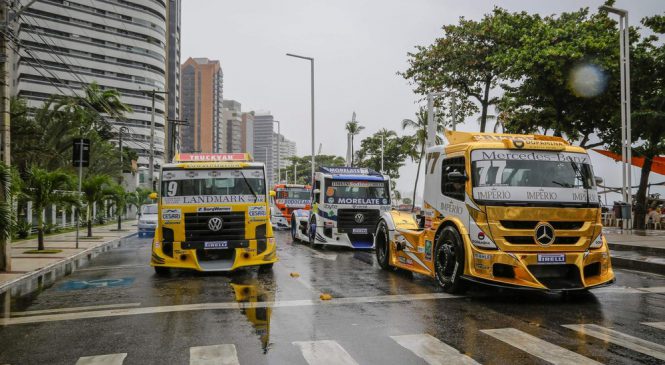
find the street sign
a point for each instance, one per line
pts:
(76, 156)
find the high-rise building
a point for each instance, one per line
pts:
(287, 149)
(173, 76)
(121, 45)
(201, 104)
(247, 130)
(233, 119)
(263, 142)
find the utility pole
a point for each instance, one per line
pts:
(311, 60)
(151, 164)
(382, 154)
(279, 150)
(174, 136)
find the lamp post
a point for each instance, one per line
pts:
(311, 60)
(151, 167)
(431, 126)
(266, 163)
(279, 150)
(626, 134)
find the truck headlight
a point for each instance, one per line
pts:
(598, 242)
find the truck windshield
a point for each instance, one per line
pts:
(293, 193)
(509, 175)
(229, 185)
(357, 192)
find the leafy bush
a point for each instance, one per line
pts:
(22, 229)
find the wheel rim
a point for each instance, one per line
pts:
(447, 261)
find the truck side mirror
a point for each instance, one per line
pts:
(456, 176)
(316, 191)
(599, 180)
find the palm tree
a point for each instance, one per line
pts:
(94, 190)
(353, 128)
(420, 127)
(43, 188)
(120, 198)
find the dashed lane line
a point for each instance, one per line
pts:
(325, 352)
(659, 325)
(119, 312)
(630, 342)
(213, 355)
(433, 351)
(74, 309)
(110, 359)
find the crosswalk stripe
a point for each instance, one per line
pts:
(324, 352)
(213, 355)
(433, 351)
(659, 325)
(621, 339)
(110, 359)
(538, 348)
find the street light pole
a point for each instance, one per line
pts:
(311, 60)
(151, 163)
(626, 133)
(382, 154)
(279, 150)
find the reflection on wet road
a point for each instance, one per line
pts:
(116, 311)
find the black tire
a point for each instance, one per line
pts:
(382, 246)
(311, 235)
(162, 271)
(294, 228)
(266, 267)
(449, 261)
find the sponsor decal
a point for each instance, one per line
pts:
(452, 208)
(215, 244)
(212, 199)
(357, 184)
(329, 224)
(428, 250)
(421, 249)
(481, 235)
(346, 170)
(428, 223)
(259, 211)
(293, 203)
(481, 267)
(171, 214)
(551, 258)
(404, 260)
(261, 219)
(429, 213)
(331, 200)
(330, 191)
(491, 155)
(482, 256)
(170, 222)
(213, 209)
(156, 244)
(359, 231)
(365, 201)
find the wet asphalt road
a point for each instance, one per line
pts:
(132, 311)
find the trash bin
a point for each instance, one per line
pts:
(617, 210)
(622, 210)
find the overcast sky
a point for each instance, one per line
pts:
(358, 45)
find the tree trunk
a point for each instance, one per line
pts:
(89, 220)
(119, 220)
(352, 150)
(40, 230)
(641, 197)
(485, 106)
(415, 186)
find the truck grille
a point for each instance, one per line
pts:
(196, 226)
(569, 225)
(528, 240)
(346, 218)
(557, 276)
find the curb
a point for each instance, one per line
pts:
(46, 276)
(637, 265)
(651, 251)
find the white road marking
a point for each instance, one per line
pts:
(111, 359)
(542, 349)
(213, 355)
(224, 305)
(654, 289)
(75, 309)
(324, 352)
(659, 325)
(621, 339)
(433, 351)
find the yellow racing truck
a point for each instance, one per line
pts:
(508, 210)
(213, 215)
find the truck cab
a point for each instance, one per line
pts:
(510, 210)
(289, 197)
(213, 215)
(347, 203)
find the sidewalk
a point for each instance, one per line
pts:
(31, 271)
(637, 249)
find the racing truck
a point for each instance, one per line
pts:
(213, 215)
(347, 203)
(510, 210)
(288, 197)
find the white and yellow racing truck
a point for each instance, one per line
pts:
(347, 203)
(509, 210)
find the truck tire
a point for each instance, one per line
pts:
(382, 245)
(311, 231)
(449, 261)
(294, 228)
(162, 271)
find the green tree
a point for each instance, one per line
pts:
(407, 201)
(648, 103)
(353, 128)
(138, 198)
(44, 188)
(117, 194)
(396, 150)
(94, 190)
(419, 125)
(304, 165)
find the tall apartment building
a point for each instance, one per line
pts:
(122, 45)
(247, 130)
(233, 119)
(173, 76)
(287, 149)
(201, 104)
(263, 142)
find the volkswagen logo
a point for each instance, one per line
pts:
(544, 234)
(359, 218)
(215, 224)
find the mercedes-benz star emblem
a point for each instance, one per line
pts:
(359, 218)
(215, 224)
(544, 234)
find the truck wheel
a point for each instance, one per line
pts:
(311, 231)
(382, 246)
(162, 271)
(294, 229)
(449, 261)
(265, 268)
